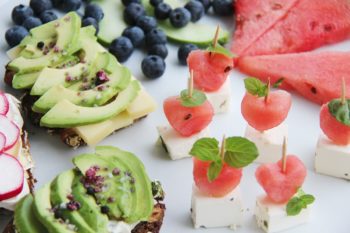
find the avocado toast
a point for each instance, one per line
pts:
(107, 191)
(73, 85)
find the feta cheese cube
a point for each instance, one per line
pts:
(332, 159)
(220, 99)
(177, 146)
(268, 142)
(224, 211)
(273, 217)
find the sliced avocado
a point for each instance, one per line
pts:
(24, 81)
(67, 115)
(89, 210)
(24, 219)
(113, 12)
(50, 77)
(88, 98)
(197, 33)
(125, 180)
(26, 65)
(43, 212)
(60, 190)
(143, 203)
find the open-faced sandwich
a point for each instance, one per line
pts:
(16, 179)
(73, 85)
(107, 191)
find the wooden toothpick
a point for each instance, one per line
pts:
(284, 155)
(343, 91)
(223, 144)
(190, 84)
(216, 37)
(268, 89)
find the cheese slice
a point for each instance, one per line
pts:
(140, 107)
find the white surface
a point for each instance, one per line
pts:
(331, 210)
(268, 142)
(220, 99)
(179, 147)
(275, 216)
(332, 159)
(209, 212)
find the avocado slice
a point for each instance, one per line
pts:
(66, 115)
(113, 12)
(88, 98)
(43, 212)
(24, 219)
(24, 81)
(125, 180)
(142, 205)
(60, 190)
(89, 210)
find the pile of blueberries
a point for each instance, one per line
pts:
(41, 11)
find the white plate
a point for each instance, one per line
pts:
(330, 212)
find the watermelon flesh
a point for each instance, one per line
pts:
(254, 18)
(308, 25)
(315, 75)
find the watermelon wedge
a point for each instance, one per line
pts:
(254, 18)
(315, 75)
(308, 25)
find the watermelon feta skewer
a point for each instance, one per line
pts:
(188, 114)
(216, 196)
(211, 69)
(265, 110)
(333, 148)
(285, 204)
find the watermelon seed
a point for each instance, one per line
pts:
(276, 6)
(188, 116)
(328, 27)
(313, 90)
(227, 69)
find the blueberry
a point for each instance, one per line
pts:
(155, 36)
(127, 2)
(57, 3)
(90, 21)
(48, 16)
(70, 5)
(20, 13)
(179, 17)
(146, 23)
(206, 4)
(95, 11)
(183, 52)
(135, 34)
(162, 11)
(40, 6)
(223, 7)
(31, 22)
(15, 35)
(158, 49)
(196, 9)
(132, 12)
(155, 2)
(121, 48)
(153, 66)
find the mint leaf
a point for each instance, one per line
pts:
(197, 98)
(206, 149)
(340, 111)
(278, 83)
(221, 50)
(239, 152)
(294, 206)
(214, 170)
(307, 199)
(255, 87)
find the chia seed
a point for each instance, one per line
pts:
(90, 190)
(104, 209)
(116, 171)
(111, 199)
(40, 45)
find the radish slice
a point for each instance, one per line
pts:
(10, 130)
(11, 177)
(2, 142)
(4, 104)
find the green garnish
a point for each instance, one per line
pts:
(340, 110)
(220, 50)
(237, 152)
(255, 87)
(300, 201)
(196, 99)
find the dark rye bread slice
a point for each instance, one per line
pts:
(68, 135)
(28, 173)
(153, 224)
